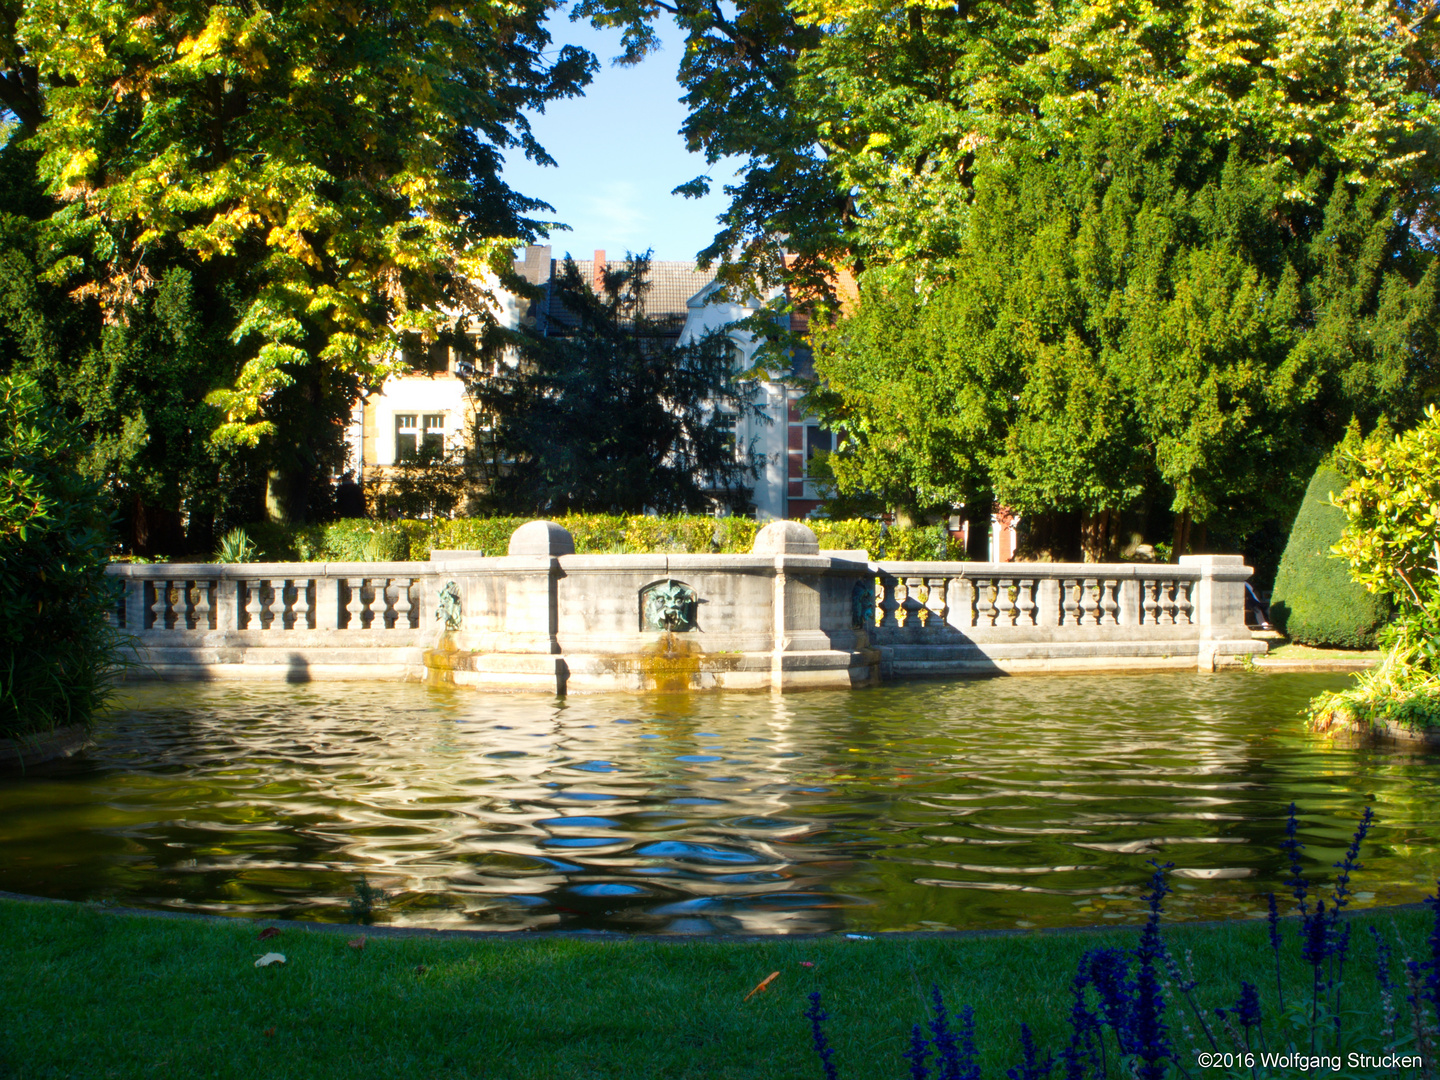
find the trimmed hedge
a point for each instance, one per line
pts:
(361, 540)
(1314, 601)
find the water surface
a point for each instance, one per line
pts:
(959, 804)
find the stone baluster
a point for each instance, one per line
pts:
(1089, 602)
(253, 608)
(985, 609)
(159, 605)
(277, 604)
(888, 605)
(1184, 605)
(402, 603)
(1070, 590)
(914, 609)
(301, 606)
(1025, 605)
(1165, 603)
(1150, 603)
(1109, 605)
(200, 612)
(356, 606)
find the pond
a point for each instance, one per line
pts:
(995, 803)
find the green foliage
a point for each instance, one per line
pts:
(235, 547)
(55, 599)
(135, 386)
(1403, 691)
(1137, 315)
(1391, 510)
(342, 163)
(360, 540)
(1314, 600)
(609, 417)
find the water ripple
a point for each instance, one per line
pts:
(987, 803)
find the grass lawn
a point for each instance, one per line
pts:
(1306, 652)
(94, 994)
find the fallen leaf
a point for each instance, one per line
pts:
(269, 1033)
(421, 970)
(357, 942)
(269, 932)
(270, 958)
(763, 984)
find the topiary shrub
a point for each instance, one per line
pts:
(1314, 601)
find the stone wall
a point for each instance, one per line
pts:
(784, 617)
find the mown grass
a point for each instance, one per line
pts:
(1291, 651)
(97, 994)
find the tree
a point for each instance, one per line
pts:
(338, 165)
(135, 388)
(611, 417)
(1140, 310)
(57, 652)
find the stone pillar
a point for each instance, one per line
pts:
(134, 605)
(531, 575)
(795, 606)
(1219, 599)
(227, 603)
(327, 600)
(1047, 602)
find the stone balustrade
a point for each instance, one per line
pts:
(785, 616)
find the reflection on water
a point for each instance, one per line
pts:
(988, 803)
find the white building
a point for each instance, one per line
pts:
(430, 405)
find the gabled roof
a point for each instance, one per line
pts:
(672, 284)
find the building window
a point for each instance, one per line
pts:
(726, 423)
(418, 437)
(817, 441)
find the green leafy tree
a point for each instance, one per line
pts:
(56, 648)
(338, 166)
(611, 417)
(1140, 312)
(135, 387)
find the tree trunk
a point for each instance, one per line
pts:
(156, 530)
(1095, 531)
(1182, 536)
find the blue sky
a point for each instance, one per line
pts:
(619, 153)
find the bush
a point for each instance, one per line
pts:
(1314, 601)
(362, 540)
(55, 533)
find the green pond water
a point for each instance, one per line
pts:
(989, 803)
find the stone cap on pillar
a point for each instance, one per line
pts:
(541, 538)
(786, 538)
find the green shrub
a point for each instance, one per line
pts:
(489, 536)
(361, 540)
(59, 648)
(1314, 601)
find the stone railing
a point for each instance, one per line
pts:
(277, 620)
(958, 617)
(784, 616)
